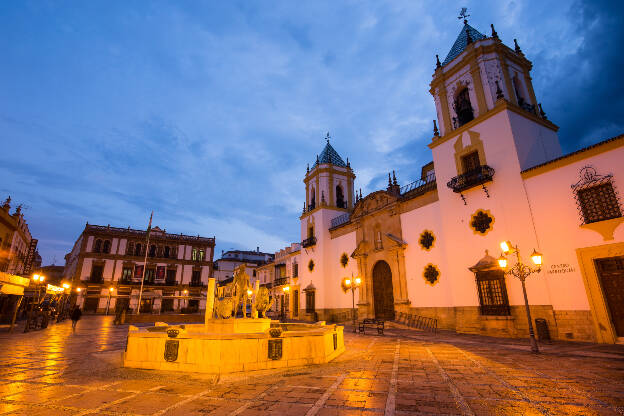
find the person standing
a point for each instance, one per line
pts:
(75, 317)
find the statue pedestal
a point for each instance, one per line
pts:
(233, 326)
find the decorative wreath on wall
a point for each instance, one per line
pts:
(426, 240)
(344, 260)
(431, 274)
(482, 221)
(311, 265)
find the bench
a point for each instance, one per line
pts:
(371, 323)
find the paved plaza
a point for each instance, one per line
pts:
(55, 372)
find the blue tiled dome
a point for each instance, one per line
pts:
(462, 41)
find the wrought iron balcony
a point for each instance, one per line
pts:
(308, 242)
(280, 281)
(342, 219)
(472, 178)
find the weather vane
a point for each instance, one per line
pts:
(327, 137)
(463, 15)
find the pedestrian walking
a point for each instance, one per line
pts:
(75, 317)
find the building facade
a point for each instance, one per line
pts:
(175, 276)
(230, 260)
(281, 277)
(497, 173)
(17, 247)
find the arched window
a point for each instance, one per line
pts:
(152, 252)
(194, 254)
(463, 108)
(340, 202)
(137, 250)
(107, 246)
(167, 251)
(312, 203)
(97, 247)
(201, 255)
(518, 90)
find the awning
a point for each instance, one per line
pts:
(11, 284)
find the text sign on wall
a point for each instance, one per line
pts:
(560, 268)
(30, 256)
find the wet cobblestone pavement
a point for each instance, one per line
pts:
(55, 372)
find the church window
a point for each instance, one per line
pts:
(463, 108)
(481, 222)
(97, 247)
(312, 203)
(106, 246)
(340, 202)
(599, 203)
(492, 293)
(518, 90)
(470, 162)
(431, 274)
(344, 260)
(596, 196)
(426, 240)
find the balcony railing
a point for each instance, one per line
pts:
(342, 219)
(196, 283)
(95, 279)
(281, 281)
(308, 242)
(472, 178)
(420, 186)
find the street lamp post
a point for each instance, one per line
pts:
(285, 303)
(351, 283)
(521, 271)
(110, 293)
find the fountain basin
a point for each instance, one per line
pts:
(232, 345)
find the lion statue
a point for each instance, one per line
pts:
(263, 304)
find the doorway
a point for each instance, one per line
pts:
(611, 277)
(383, 293)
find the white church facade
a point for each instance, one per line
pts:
(430, 247)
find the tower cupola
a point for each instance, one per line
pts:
(329, 182)
(476, 74)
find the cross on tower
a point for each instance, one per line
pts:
(327, 137)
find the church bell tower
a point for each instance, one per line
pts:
(481, 77)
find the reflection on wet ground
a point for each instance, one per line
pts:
(55, 372)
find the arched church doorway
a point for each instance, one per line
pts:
(383, 294)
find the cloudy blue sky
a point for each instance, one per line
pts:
(207, 112)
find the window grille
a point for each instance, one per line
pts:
(596, 197)
(492, 293)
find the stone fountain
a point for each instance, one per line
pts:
(226, 344)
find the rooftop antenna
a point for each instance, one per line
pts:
(463, 15)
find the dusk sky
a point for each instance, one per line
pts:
(208, 112)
